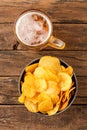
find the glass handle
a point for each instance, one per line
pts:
(56, 43)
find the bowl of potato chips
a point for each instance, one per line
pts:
(47, 85)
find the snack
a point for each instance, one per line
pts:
(47, 86)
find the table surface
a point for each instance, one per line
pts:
(70, 24)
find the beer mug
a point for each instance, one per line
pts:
(34, 29)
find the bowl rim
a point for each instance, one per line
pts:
(75, 78)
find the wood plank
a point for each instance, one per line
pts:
(9, 91)
(12, 62)
(61, 12)
(17, 117)
(80, 100)
(23, 2)
(74, 35)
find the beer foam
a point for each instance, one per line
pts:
(33, 28)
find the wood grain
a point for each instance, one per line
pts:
(70, 25)
(17, 117)
(12, 62)
(17, 2)
(74, 35)
(60, 12)
(9, 90)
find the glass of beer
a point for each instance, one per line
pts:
(34, 29)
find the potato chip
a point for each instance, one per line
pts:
(53, 87)
(51, 76)
(31, 106)
(45, 105)
(40, 85)
(63, 105)
(64, 97)
(65, 82)
(31, 68)
(28, 87)
(43, 96)
(62, 68)
(28, 90)
(21, 83)
(55, 98)
(69, 70)
(67, 93)
(40, 73)
(53, 111)
(33, 99)
(51, 63)
(29, 78)
(72, 84)
(60, 98)
(21, 99)
(45, 74)
(64, 100)
(71, 89)
(24, 86)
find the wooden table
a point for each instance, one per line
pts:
(70, 24)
